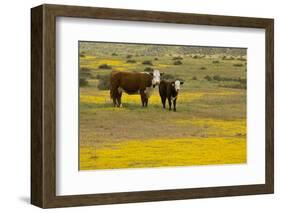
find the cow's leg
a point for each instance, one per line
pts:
(143, 97)
(170, 103)
(113, 94)
(146, 101)
(174, 103)
(119, 99)
(163, 98)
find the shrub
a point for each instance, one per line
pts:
(216, 62)
(238, 65)
(227, 58)
(105, 66)
(217, 78)
(148, 69)
(195, 56)
(83, 82)
(168, 77)
(85, 72)
(241, 59)
(208, 78)
(177, 62)
(242, 80)
(203, 68)
(104, 83)
(147, 62)
(177, 58)
(234, 86)
(129, 56)
(131, 61)
(156, 59)
(194, 78)
(84, 69)
(114, 54)
(82, 55)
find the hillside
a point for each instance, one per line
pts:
(102, 48)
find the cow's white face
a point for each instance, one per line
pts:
(178, 85)
(156, 77)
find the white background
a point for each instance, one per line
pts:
(70, 182)
(15, 105)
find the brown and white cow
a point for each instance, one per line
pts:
(133, 83)
(169, 90)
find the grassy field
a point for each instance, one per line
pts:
(208, 128)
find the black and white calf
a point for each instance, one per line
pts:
(169, 90)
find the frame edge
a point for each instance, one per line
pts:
(37, 189)
(269, 138)
(42, 91)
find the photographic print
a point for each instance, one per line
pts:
(156, 105)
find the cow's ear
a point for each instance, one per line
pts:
(182, 82)
(161, 73)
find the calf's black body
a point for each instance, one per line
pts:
(167, 91)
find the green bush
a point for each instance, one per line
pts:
(242, 80)
(236, 83)
(84, 69)
(104, 83)
(208, 78)
(85, 72)
(238, 65)
(203, 68)
(194, 78)
(217, 78)
(131, 61)
(178, 63)
(114, 54)
(105, 66)
(241, 59)
(156, 59)
(168, 77)
(147, 62)
(83, 82)
(227, 58)
(129, 56)
(216, 62)
(234, 86)
(82, 55)
(177, 58)
(148, 69)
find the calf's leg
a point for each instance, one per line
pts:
(170, 103)
(174, 103)
(163, 98)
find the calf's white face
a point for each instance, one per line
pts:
(156, 77)
(177, 85)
